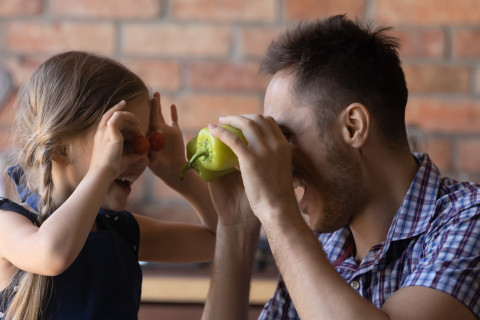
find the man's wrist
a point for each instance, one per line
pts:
(281, 216)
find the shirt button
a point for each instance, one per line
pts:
(355, 285)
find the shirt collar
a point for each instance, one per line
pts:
(418, 206)
(412, 218)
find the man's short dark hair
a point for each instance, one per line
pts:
(336, 62)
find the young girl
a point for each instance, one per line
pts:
(68, 248)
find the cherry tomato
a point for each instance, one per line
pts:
(157, 141)
(140, 145)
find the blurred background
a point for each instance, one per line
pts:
(204, 55)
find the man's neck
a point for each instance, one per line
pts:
(388, 179)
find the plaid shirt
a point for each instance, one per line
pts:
(432, 242)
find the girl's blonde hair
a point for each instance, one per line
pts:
(65, 97)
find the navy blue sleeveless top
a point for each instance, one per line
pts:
(104, 282)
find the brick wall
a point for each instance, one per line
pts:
(203, 55)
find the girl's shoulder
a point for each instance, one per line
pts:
(9, 205)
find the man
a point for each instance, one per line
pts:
(391, 240)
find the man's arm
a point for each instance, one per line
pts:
(319, 292)
(315, 287)
(237, 238)
(228, 297)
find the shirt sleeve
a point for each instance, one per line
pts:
(280, 305)
(450, 261)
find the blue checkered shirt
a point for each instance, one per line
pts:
(432, 242)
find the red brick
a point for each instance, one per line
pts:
(5, 139)
(473, 177)
(18, 8)
(7, 111)
(440, 151)
(466, 43)
(477, 81)
(310, 9)
(469, 155)
(254, 41)
(27, 37)
(418, 42)
(106, 8)
(198, 110)
(159, 75)
(224, 10)
(449, 116)
(227, 76)
(7, 116)
(21, 68)
(427, 11)
(422, 78)
(177, 40)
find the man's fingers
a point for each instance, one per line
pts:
(255, 127)
(229, 138)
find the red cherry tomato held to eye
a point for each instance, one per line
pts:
(157, 141)
(140, 145)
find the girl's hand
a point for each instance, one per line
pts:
(108, 143)
(166, 163)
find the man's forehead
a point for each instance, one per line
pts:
(277, 97)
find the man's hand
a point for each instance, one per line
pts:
(265, 163)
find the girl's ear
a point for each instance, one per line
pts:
(60, 155)
(356, 123)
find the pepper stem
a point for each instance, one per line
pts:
(185, 167)
(203, 151)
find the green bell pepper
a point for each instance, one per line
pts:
(200, 170)
(212, 153)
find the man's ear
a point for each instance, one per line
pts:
(60, 154)
(356, 124)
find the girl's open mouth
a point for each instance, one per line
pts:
(125, 182)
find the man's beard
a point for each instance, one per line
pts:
(344, 191)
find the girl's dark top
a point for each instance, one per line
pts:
(104, 282)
